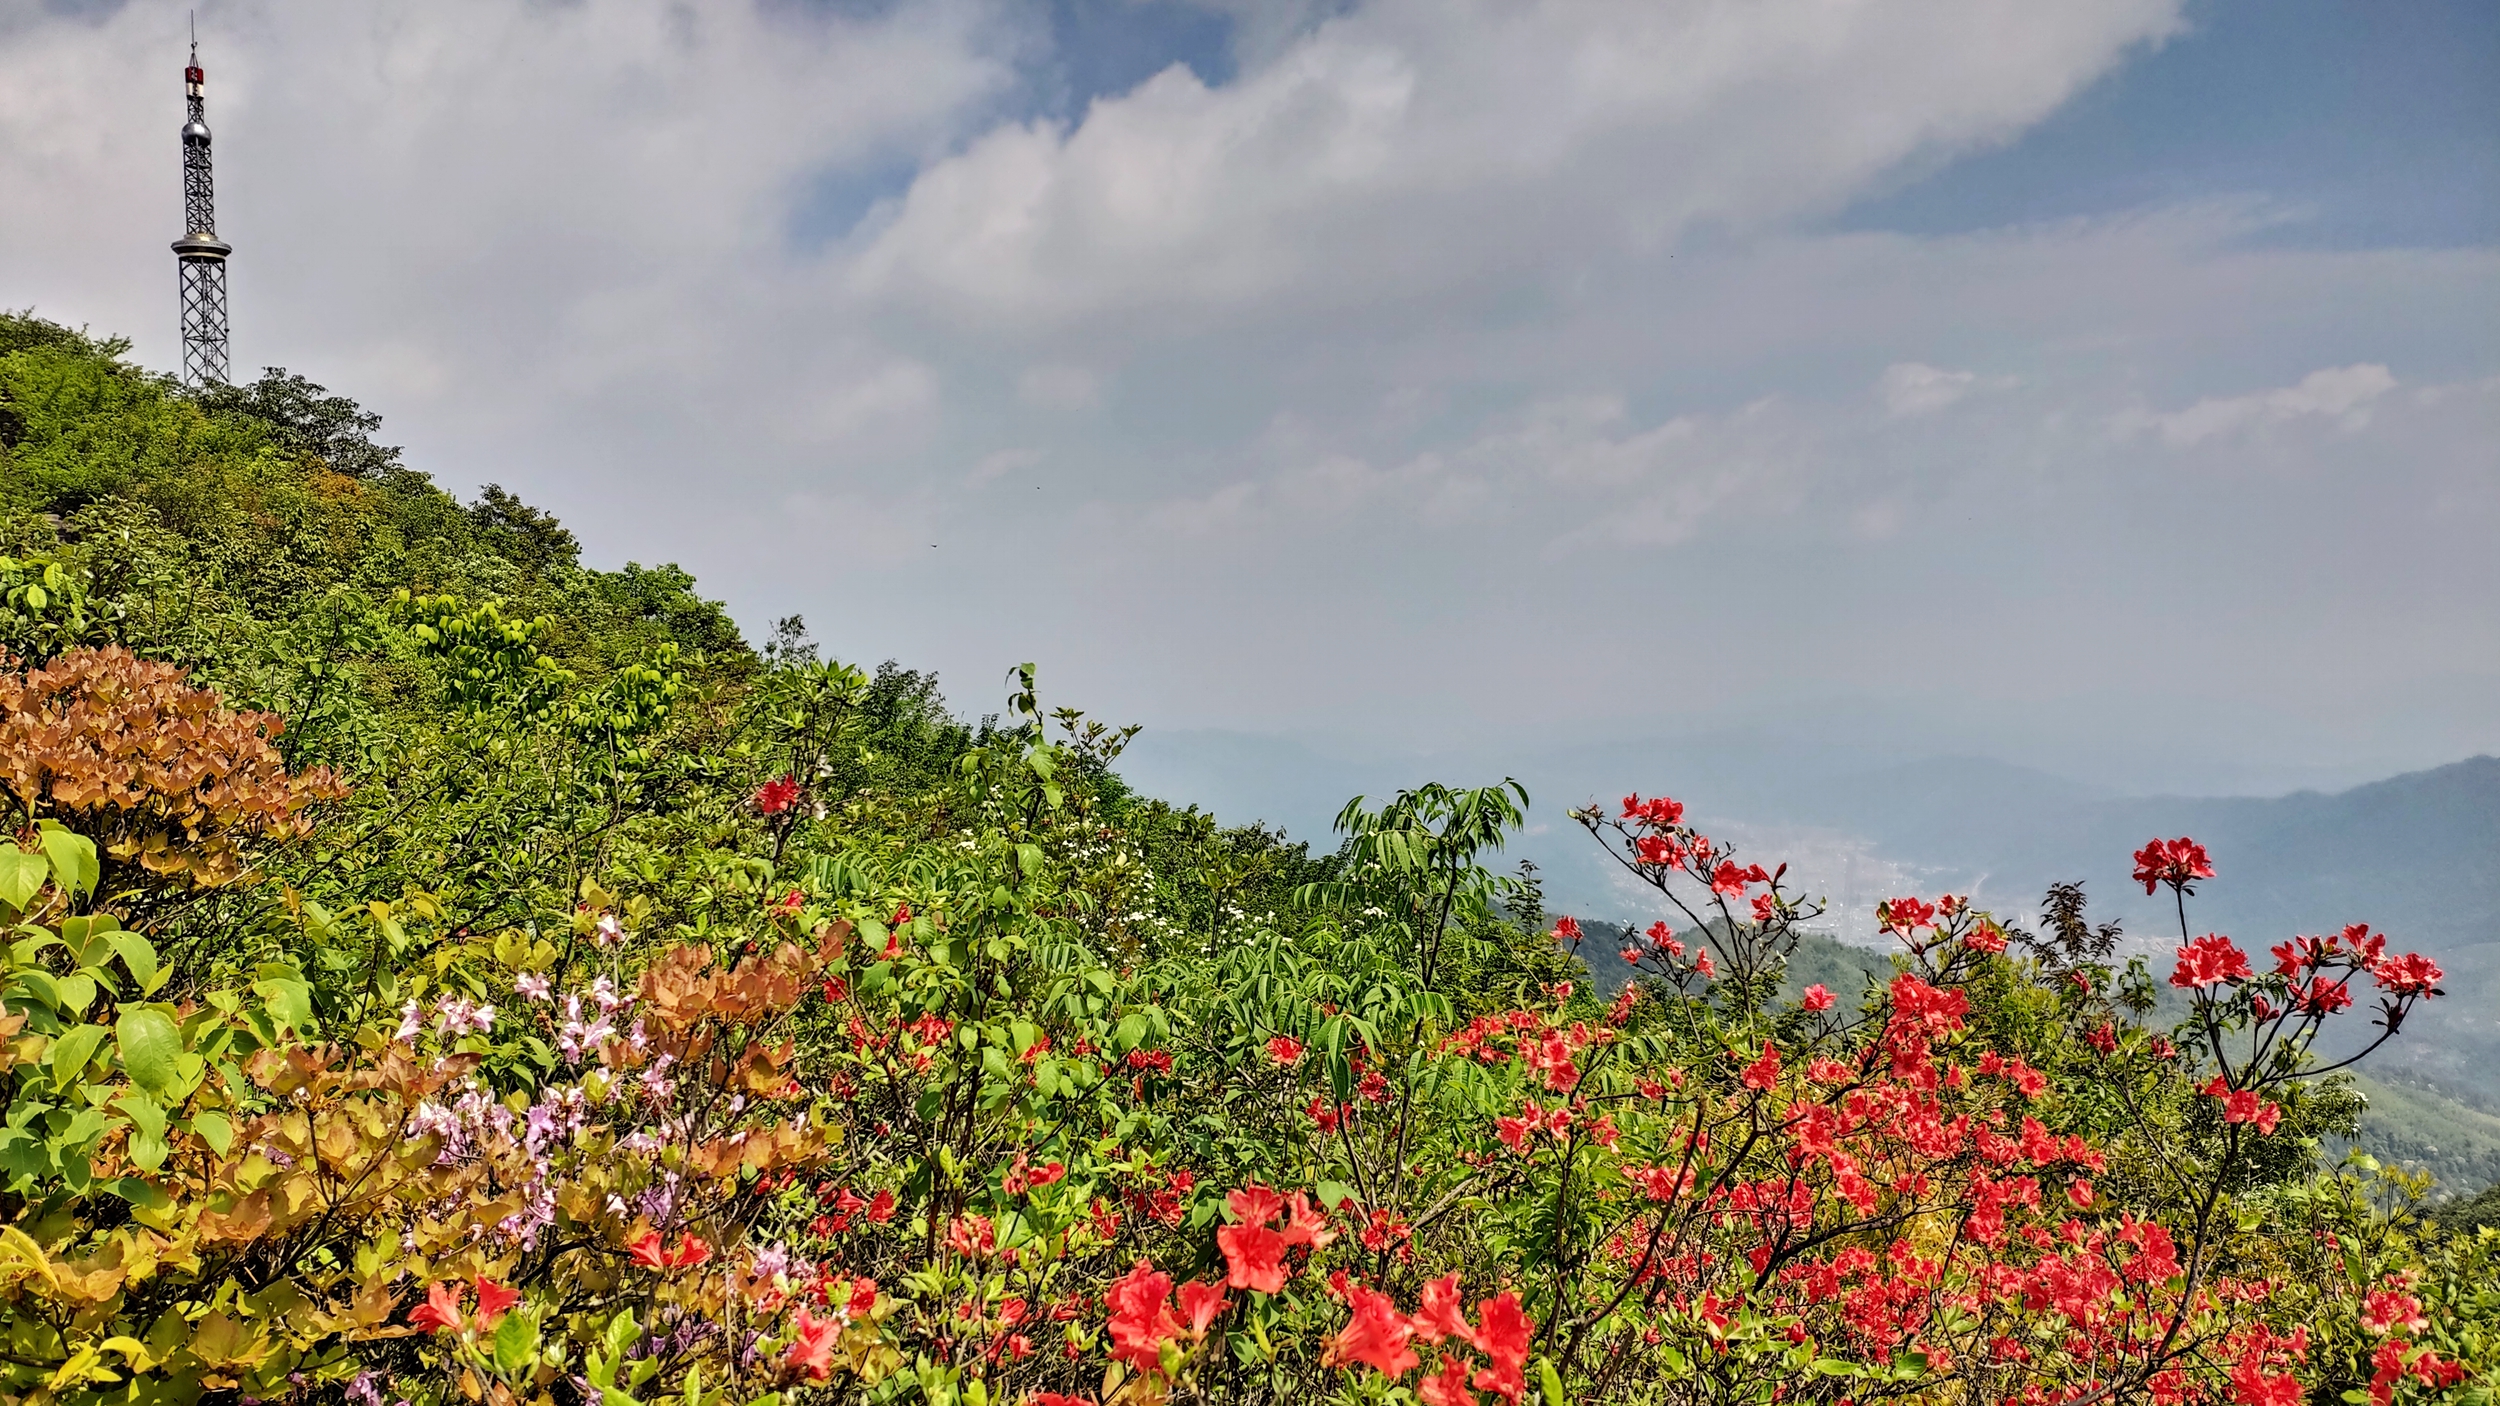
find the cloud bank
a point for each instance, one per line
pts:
(1412, 374)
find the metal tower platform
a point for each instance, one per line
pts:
(200, 255)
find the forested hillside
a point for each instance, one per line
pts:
(442, 971)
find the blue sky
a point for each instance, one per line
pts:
(2371, 124)
(2109, 389)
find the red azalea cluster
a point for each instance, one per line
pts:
(777, 795)
(1763, 1072)
(1728, 881)
(1023, 1176)
(843, 1208)
(2387, 1313)
(441, 1309)
(1162, 1197)
(2178, 863)
(1254, 1248)
(1140, 1303)
(1379, 1337)
(2303, 964)
(2208, 961)
(1658, 812)
(1284, 1049)
(650, 1252)
(1904, 915)
(2243, 1105)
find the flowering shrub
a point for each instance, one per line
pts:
(762, 1083)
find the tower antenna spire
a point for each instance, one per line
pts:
(200, 256)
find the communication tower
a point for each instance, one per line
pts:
(200, 254)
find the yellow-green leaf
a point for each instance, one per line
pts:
(151, 1048)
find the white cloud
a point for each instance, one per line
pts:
(2343, 394)
(1436, 332)
(1058, 386)
(1000, 463)
(898, 399)
(1406, 146)
(1915, 388)
(535, 198)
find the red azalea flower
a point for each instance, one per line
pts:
(1284, 1049)
(440, 1310)
(2253, 1385)
(1253, 1257)
(2209, 960)
(647, 1250)
(492, 1300)
(1255, 1205)
(1502, 1334)
(1141, 1320)
(1375, 1336)
(1566, 930)
(811, 1344)
(1447, 1387)
(2178, 863)
(2409, 975)
(1664, 851)
(1731, 881)
(777, 795)
(1763, 1072)
(1200, 1303)
(1443, 1315)
(1304, 1225)
(1817, 998)
(2386, 1310)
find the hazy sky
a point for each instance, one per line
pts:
(2112, 387)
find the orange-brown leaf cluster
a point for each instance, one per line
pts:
(157, 772)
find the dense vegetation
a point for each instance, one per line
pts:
(442, 971)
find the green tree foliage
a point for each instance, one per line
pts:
(587, 1007)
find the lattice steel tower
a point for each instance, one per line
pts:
(200, 254)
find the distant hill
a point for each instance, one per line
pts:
(2416, 856)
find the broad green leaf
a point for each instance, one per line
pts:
(90, 938)
(21, 876)
(142, 1111)
(72, 1052)
(214, 1129)
(73, 858)
(151, 1046)
(139, 957)
(621, 1334)
(41, 985)
(290, 1001)
(516, 1342)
